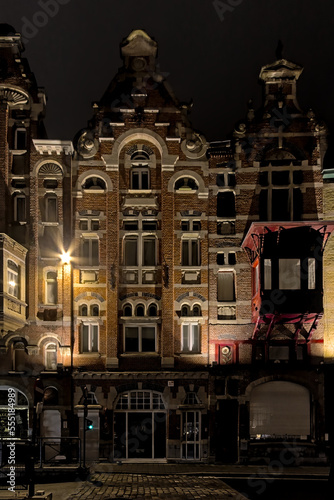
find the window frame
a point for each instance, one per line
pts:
(90, 326)
(48, 282)
(221, 273)
(190, 252)
(47, 349)
(13, 279)
(191, 337)
(91, 259)
(140, 327)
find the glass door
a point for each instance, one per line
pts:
(191, 430)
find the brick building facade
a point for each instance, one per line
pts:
(175, 285)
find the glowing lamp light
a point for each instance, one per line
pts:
(65, 258)
(12, 283)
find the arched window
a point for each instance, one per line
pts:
(197, 310)
(83, 310)
(140, 310)
(51, 287)
(186, 184)
(51, 357)
(94, 310)
(127, 310)
(94, 183)
(185, 310)
(153, 310)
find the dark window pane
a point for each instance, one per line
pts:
(149, 252)
(20, 208)
(185, 225)
(130, 225)
(280, 204)
(280, 178)
(231, 180)
(263, 205)
(220, 259)
(148, 339)
(226, 204)
(144, 180)
(220, 181)
(85, 334)
(297, 204)
(185, 254)
(131, 339)
(135, 180)
(232, 258)
(149, 225)
(130, 252)
(95, 253)
(94, 338)
(263, 179)
(297, 177)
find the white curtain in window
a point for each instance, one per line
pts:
(289, 274)
(226, 286)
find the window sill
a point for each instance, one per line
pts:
(88, 354)
(136, 191)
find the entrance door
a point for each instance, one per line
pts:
(191, 435)
(227, 431)
(138, 434)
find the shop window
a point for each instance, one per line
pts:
(190, 337)
(89, 337)
(226, 286)
(140, 338)
(51, 288)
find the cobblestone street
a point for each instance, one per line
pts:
(155, 487)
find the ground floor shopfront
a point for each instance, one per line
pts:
(228, 417)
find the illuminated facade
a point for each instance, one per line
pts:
(179, 281)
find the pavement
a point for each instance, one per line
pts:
(153, 481)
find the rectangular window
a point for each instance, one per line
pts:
(51, 209)
(90, 252)
(226, 287)
(267, 274)
(20, 138)
(190, 252)
(289, 274)
(13, 283)
(311, 273)
(190, 337)
(89, 338)
(20, 208)
(140, 338)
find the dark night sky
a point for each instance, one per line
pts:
(216, 62)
